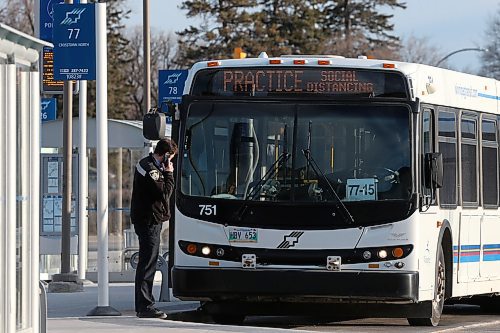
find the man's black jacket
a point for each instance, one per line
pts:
(151, 193)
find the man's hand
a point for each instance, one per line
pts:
(169, 166)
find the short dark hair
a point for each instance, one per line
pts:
(165, 146)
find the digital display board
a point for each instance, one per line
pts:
(272, 81)
(49, 85)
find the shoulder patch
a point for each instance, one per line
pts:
(155, 174)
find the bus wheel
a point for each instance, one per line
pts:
(439, 292)
(491, 305)
(228, 319)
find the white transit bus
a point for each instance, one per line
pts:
(334, 186)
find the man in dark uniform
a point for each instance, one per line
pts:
(153, 186)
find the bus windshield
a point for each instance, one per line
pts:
(265, 151)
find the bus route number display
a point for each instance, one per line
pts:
(361, 189)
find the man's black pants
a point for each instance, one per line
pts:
(149, 246)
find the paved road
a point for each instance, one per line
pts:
(67, 313)
(459, 318)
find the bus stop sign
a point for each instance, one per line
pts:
(74, 42)
(171, 85)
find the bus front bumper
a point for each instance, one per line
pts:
(248, 284)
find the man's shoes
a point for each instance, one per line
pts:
(152, 313)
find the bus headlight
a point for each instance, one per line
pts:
(367, 255)
(382, 254)
(205, 250)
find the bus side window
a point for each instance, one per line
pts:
(469, 160)
(427, 147)
(447, 131)
(489, 163)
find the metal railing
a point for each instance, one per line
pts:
(162, 266)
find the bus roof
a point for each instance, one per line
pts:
(430, 84)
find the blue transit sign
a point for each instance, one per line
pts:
(47, 17)
(171, 85)
(48, 109)
(74, 42)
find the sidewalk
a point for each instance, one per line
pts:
(67, 312)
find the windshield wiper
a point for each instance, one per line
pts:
(339, 205)
(273, 169)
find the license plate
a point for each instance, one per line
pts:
(243, 235)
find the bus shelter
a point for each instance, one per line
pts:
(19, 180)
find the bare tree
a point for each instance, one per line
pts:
(163, 53)
(491, 58)
(419, 50)
(18, 14)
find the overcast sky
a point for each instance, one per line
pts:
(448, 24)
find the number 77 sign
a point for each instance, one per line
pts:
(74, 42)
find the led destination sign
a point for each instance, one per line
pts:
(293, 81)
(282, 81)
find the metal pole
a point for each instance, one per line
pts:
(10, 196)
(35, 124)
(83, 236)
(479, 49)
(83, 182)
(102, 156)
(3, 176)
(119, 198)
(103, 308)
(147, 56)
(67, 173)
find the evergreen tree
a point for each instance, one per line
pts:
(345, 27)
(289, 27)
(118, 57)
(226, 25)
(491, 58)
(358, 27)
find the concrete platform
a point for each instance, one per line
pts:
(67, 312)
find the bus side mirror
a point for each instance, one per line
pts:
(154, 126)
(433, 169)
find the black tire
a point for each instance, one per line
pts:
(439, 292)
(226, 319)
(491, 305)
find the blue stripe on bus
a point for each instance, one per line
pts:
(469, 258)
(470, 253)
(491, 246)
(489, 96)
(491, 257)
(470, 247)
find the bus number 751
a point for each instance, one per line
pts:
(208, 210)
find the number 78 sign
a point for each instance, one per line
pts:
(171, 85)
(74, 42)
